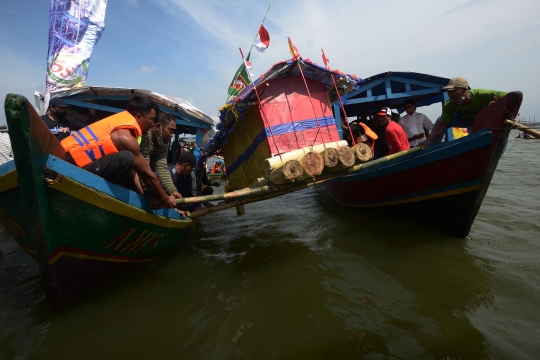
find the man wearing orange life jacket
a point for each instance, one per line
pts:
(109, 148)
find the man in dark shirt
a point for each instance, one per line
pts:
(57, 122)
(181, 175)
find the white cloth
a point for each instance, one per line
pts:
(414, 124)
(6, 153)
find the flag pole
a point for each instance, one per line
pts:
(257, 34)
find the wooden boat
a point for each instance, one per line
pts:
(442, 186)
(79, 227)
(284, 110)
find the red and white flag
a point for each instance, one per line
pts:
(263, 39)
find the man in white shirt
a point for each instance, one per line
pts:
(6, 153)
(414, 123)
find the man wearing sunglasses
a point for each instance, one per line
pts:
(414, 123)
(461, 108)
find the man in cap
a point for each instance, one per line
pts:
(181, 173)
(396, 139)
(414, 123)
(461, 108)
(56, 120)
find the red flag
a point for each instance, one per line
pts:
(326, 61)
(263, 39)
(294, 51)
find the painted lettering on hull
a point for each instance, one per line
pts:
(133, 241)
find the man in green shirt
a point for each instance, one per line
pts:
(155, 147)
(461, 108)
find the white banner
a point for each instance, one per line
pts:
(75, 27)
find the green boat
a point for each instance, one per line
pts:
(79, 227)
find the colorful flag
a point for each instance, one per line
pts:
(326, 61)
(294, 51)
(263, 39)
(75, 27)
(240, 81)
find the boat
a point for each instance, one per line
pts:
(79, 227)
(442, 186)
(284, 110)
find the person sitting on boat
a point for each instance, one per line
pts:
(204, 185)
(110, 148)
(155, 148)
(57, 122)
(181, 176)
(396, 139)
(461, 108)
(414, 123)
(6, 152)
(363, 134)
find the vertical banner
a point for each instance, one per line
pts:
(75, 27)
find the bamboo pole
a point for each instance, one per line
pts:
(523, 128)
(240, 197)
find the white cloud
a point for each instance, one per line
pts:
(147, 69)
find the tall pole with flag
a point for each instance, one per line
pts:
(242, 77)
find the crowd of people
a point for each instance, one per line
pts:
(387, 132)
(131, 148)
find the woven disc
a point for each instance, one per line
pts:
(331, 157)
(346, 156)
(362, 152)
(293, 170)
(313, 163)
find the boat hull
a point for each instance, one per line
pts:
(79, 227)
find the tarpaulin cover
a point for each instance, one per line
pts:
(292, 119)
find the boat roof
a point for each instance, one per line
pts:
(311, 70)
(114, 100)
(392, 88)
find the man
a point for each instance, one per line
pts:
(6, 153)
(57, 122)
(393, 133)
(414, 123)
(203, 183)
(363, 134)
(461, 108)
(155, 148)
(109, 148)
(181, 176)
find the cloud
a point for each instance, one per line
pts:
(147, 69)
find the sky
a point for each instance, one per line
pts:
(189, 48)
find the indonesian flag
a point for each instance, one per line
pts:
(263, 39)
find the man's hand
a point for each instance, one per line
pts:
(169, 202)
(424, 144)
(176, 194)
(496, 98)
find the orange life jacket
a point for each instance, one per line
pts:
(94, 141)
(370, 134)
